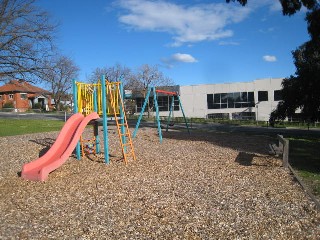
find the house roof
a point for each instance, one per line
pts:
(21, 86)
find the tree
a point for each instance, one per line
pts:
(301, 91)
(25, 38)
(289, 7)
(59, 74)
(148, 76)
(113, 74)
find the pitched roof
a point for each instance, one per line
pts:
(21, 86)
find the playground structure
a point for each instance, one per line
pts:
(89, 98)
(91, 101)
(154, 92)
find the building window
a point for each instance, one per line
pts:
(11, 96)
(164, 104)
(23, 96)
(262, 96)
(244, 115)
(277, 95)
(218, 116)
(1, 97)
(210, 101)
(230, 100)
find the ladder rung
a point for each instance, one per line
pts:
(126, 144)
(129, 153)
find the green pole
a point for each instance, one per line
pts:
(123, 130)
(75, 110)
(105, 120)
(141, 113)
(157, 113)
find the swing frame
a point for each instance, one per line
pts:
(155, 100)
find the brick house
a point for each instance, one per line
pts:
(24, 96)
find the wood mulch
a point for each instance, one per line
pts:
(208, 185)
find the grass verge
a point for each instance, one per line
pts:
(11, 127)
(305, 160)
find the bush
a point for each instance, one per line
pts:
(8, 105)
(37, 106)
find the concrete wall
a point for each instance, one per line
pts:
(194, 98)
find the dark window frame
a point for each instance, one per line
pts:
(263, 96)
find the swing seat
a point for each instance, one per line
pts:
(171, 124)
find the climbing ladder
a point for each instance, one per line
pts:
(114, 90)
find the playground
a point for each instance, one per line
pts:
(206, 185)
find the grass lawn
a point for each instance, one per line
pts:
(11, 127)
(305, 159)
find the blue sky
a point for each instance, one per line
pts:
(192, 42)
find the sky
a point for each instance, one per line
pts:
(191, 42)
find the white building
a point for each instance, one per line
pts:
(244, 100)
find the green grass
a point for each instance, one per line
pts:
(11, 127)
(305, 159)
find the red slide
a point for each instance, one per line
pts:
(39, 169)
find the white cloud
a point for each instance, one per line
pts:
(177, 58)
(187, 24)
(269, 58)
(183, 57)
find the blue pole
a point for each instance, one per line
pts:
(96, 125)
(75, 110)
(123, 130)
(141, 113)
(171, 108)
(105, 120)
(157, 113)
(184, 117)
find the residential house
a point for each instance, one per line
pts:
(23, 96)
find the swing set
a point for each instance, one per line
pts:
(154, 91)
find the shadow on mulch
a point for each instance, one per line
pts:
(245, 159)
(252, 159)
(46, 142)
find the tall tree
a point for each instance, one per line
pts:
(301, 91)
(25, 38)
(58, 74)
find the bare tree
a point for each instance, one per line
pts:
(25, 38)
(148, 76)
(113, 74)
(59, 74)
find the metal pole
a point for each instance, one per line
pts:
(105, 120)
(96, 124)
(141, 113)
(123, 130)
(75, 110)
(157, 112)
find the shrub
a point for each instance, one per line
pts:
(8, 105)
(37, 106)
